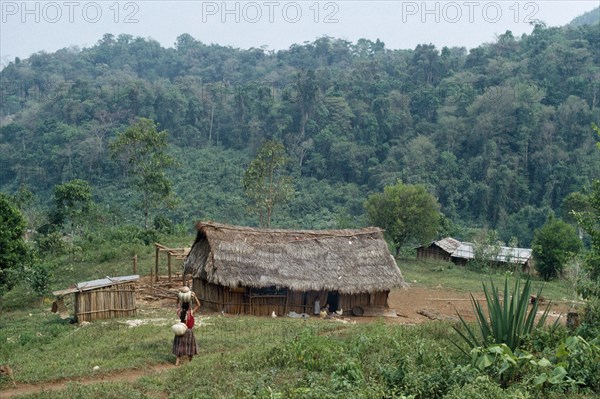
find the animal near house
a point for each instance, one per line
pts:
(243, 270)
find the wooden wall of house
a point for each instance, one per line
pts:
(373, 299)
(432, 252)
(244, 301)
(219, 298)
(105, 303)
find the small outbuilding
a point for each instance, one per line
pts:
(508, 256)
(244, 270)
(440, 250)
(105, 298)
(460, 253)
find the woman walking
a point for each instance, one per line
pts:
(185, 345)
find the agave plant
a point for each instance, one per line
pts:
(510, 317)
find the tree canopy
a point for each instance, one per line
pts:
(499, 134)
(266, 183)
(553, 244)
(408, 213)
(14, 253)
(145, 151)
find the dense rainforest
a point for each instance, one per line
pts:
(500, 134)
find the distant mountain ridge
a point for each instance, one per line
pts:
(589, 18)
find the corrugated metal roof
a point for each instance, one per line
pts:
(504, 254)
(93, 284)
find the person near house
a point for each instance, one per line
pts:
(185, 345)
(317, 309)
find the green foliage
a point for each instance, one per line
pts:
(15, 255)
(265, 182)
(163, 224)
(498, 146)
(508, 322)
(407, 213)
(51, 243)
(145, 153)
(553, 245)
(482, 387)
(72, 202)
(581, 360)
(73, 197)
(38, 277)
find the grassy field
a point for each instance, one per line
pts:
(245, 357)
(445, 274)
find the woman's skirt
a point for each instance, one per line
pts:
(185, 345)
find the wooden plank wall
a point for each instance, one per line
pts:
(105, 303)
(238, 300)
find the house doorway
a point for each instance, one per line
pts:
(333, 298)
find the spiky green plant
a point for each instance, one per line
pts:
(510, 317)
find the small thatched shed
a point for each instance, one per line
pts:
(105, 298)
(257, 271)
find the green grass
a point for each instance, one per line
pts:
(434, 274)
(248, 357)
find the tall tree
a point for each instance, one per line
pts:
(73, 200)
(408, 213)
(553, 244)
(14, 253)
(144, 150)
(265, 182)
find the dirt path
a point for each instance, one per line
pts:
(123, 376)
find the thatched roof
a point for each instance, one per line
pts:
(348, 261)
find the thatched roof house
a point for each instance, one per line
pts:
(257, 271)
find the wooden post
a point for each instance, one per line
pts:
(135, 264)
(287, 302)
(251, 308)
(151, 278)
(156, 262)
(169, 265)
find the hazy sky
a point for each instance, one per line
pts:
(30, 26)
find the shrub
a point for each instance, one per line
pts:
(581, 360)
(38, 277)
(509, 320)
(51, 243)
(481, 388)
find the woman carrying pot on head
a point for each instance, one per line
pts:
(185, 345)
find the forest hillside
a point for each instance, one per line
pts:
(500, 134)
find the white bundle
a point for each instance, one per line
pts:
(179, 328)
